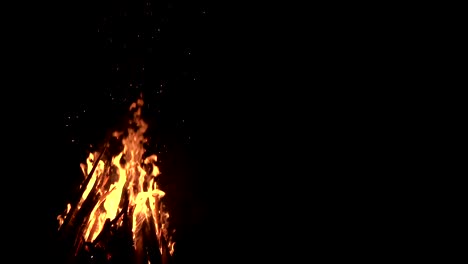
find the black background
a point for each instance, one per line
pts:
(264, 115)
(66, 93)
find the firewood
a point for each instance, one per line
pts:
(73, 210)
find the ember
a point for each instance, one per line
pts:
(119, 215)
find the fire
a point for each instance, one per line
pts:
(121, 188)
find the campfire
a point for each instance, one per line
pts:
(119, 215)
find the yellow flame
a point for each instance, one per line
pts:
(61, 218)
(128, 172)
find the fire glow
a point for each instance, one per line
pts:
(121, 192)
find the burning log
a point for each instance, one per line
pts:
(119, 216)
(76, 203)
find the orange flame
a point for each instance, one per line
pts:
(127, 173)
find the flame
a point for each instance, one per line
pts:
(128, 175)
(60, 218)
